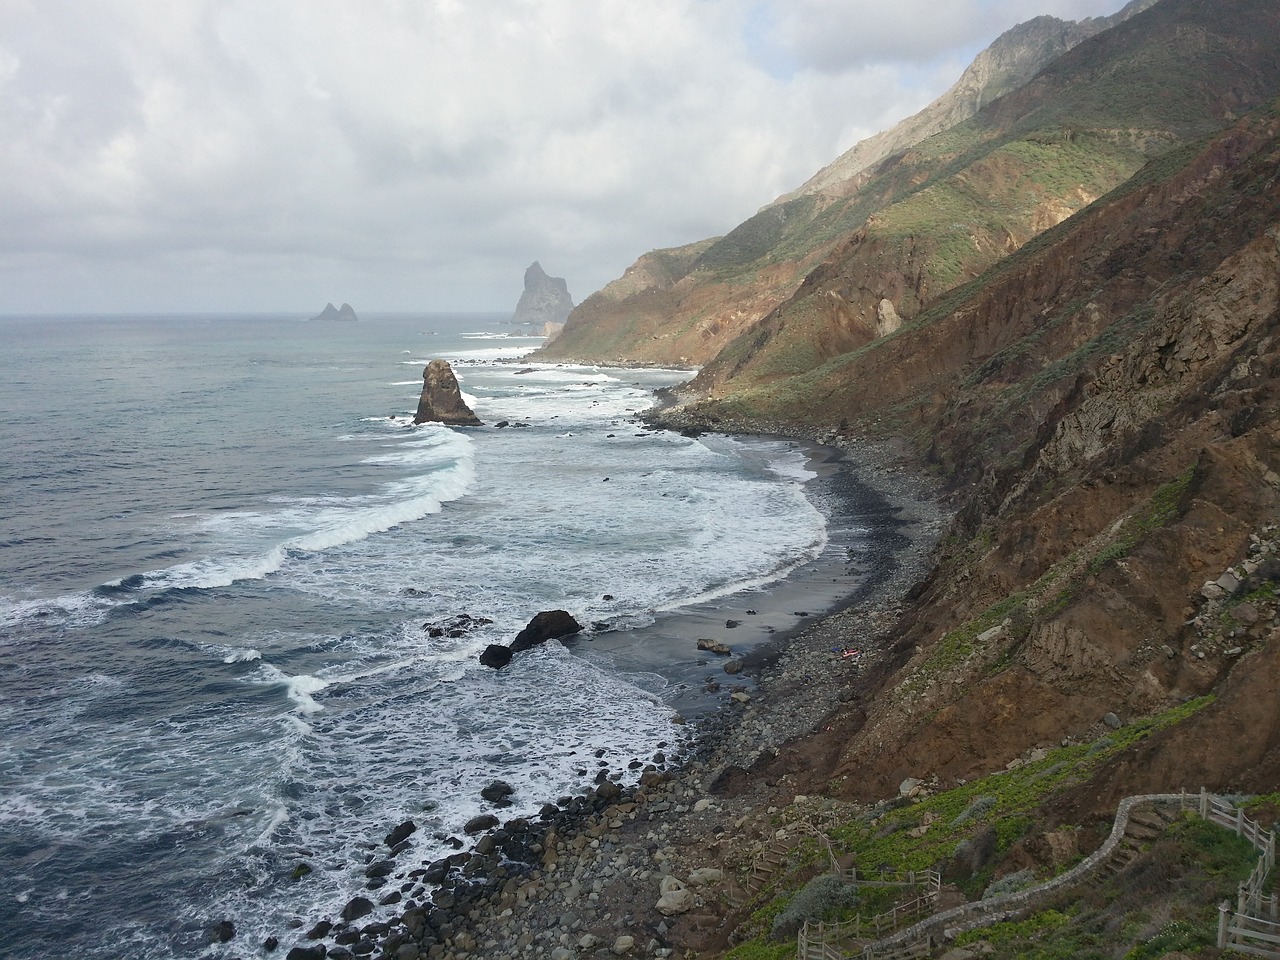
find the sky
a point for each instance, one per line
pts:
(205, 156)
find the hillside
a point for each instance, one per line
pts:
(995, 182)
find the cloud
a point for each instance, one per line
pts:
(417, 154)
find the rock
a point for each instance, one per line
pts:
(401, 833)
(224, 931)
(623, 945)
(1112, 721)
(356, 908)
(561, 953)
(668, 884)
(307, 953)
(496, 655)
(441, 400)
(908, 785)
(271, 944)
(1211, 591)
(1229, 582)
(676, 902)
(705, 876)
(498, 791)
(703, 804)
(545, 299)
(608, 791)
(733, 666)
(320, 930)
(455, 627)
(548, 625)
(732, 623)
(714, 646)
(740, 697)
(330, 312)
(485, 821)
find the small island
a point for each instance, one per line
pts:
(330, 312)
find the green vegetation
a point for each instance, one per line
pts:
(904, 835)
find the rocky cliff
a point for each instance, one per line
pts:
(684, 305)
(1104, 406)
(545, 300)
(1015, 57)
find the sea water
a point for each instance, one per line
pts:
(221, 544)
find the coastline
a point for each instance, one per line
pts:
(586, 878)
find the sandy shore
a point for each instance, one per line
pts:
(588, 875)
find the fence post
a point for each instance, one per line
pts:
(1223, 909)
(1204, 804)
(1239, 821)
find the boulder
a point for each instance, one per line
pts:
(676, 902)
(486, 821)
(714, 646)
(496, 655)
(498, 791)
(441, 400)
(356, 908)
(548, 625)
(401, 833)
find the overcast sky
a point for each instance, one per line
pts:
(272, 155)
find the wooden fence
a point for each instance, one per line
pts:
(1253, 926)
(822, 941)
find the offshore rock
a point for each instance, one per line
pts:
(330, 312)
(441, 400)
(496, 655)
(548, 625)
(545, 299)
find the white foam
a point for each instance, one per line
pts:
(242, 656)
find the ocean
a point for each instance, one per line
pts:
(222, 546)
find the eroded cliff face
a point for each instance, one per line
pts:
(1108, 406)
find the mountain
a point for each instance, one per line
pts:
(1015, 57)
(682, 305)
(915, 225)
(1066, 308)
(545, 300)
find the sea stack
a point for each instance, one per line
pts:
(330, 312)
(545, 299)
(442, 400)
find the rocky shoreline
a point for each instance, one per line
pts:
(654, 869)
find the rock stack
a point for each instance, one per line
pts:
(441, 400)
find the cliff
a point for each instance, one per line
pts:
(684, 305)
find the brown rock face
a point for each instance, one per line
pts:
(442, 400)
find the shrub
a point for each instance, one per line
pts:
(819, 899)
(979, 807)
(1010, 884)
